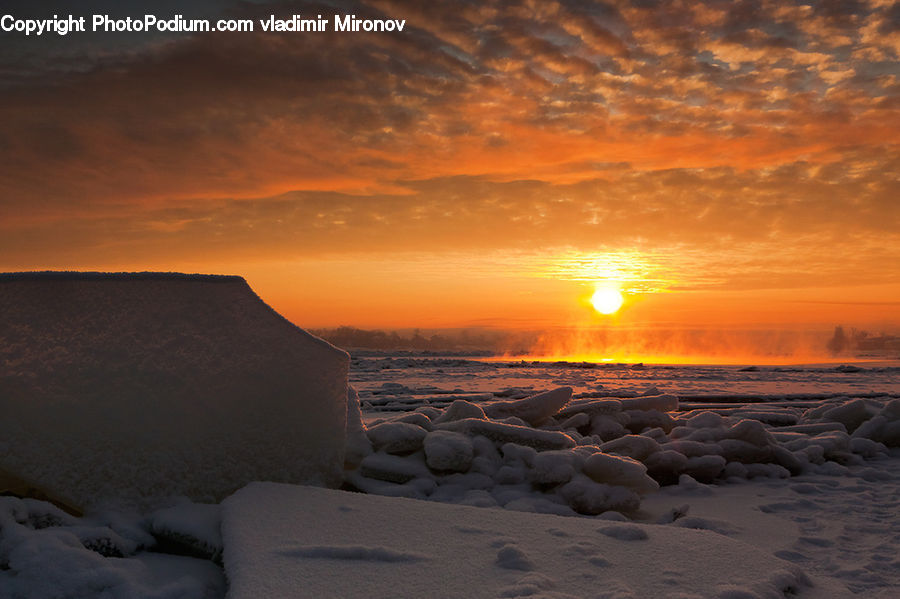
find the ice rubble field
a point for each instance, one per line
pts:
(687, 481)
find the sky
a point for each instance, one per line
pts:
(722, 164)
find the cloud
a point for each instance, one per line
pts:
(794, 226)
(740, 128)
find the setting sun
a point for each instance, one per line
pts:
(607, 301)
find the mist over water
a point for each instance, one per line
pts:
(629, 345)
(686, 345)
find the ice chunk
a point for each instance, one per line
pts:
(131, 388)
(555, 467)
(736, 450)
(705, 468)
(866, 447)
(813, 428)
(640, 420)
(515, 454)
(775, 417)
(508, 433)
(660, 403)
(393, 468)
(633, 446)
(534, 410)
(590, 497)
(735, 470)
(607, 426)
(447, 450)
(665, 466)
(591, 406)
(884, 427)
(891, 410)
(751, 431)
(619, 470)
(460, 409)
(691, 448)
(575, 422)
(706, 419)
(851, 414)
(511, 474)
(429, 412)
(397, 437)
(417, 418)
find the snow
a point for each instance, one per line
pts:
(759, 441)
(293, 541)
(397, 437)
(460, 409)
(841, 527)
(126, 389)
(659, 481)
(619, 470)
(593, 455)
(47, 553)
(448, 451)
(500, 432)
(534, 410)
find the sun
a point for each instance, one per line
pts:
(607, 301)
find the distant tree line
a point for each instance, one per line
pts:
(842, 341)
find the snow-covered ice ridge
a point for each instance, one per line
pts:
(552, 454)
(812, 448)
(128, 388)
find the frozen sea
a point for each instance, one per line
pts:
(837, 521)
(774, 483)
(402, 382)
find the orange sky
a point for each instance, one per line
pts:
(725, 164)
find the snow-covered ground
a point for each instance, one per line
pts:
(675, 481)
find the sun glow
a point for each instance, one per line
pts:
(607, 301)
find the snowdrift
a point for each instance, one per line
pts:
(123, 389)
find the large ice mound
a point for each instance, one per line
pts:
(131, 387)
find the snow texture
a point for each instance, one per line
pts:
(777, 470)
(534, 410)
(449, 451)
(125, 389)
(597, 454)
(47, 553)
(396, 437)
(290, 541)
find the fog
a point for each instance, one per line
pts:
(723, 346)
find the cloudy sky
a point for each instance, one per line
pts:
(721, 163)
